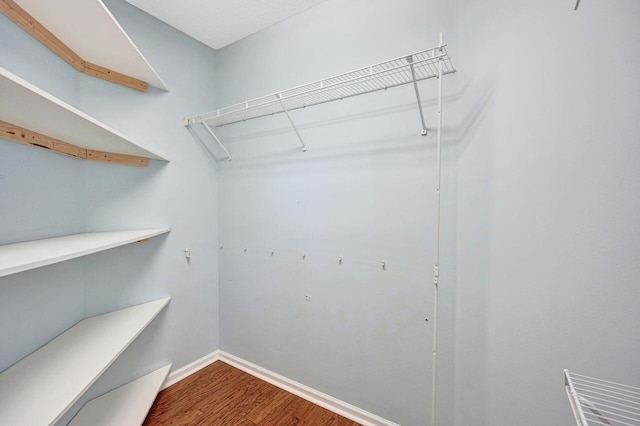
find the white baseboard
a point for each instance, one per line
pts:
(330, 403)
(182, 373)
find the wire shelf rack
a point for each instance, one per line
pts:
(602, 402)
(406, 69)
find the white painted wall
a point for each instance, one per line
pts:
(548, 195)
(363, 191)
(541, 236)
(45, 194)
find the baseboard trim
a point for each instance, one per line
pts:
(184, 372)
(323, 400)
(330, 403)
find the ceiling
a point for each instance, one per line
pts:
(218, 23)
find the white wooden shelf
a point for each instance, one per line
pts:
(25, 105)
(40, 388)
(126, 405)
(91, 31)
(20, 257)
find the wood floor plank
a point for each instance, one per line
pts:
(151, 421)
(289, 413)
(298, 411)
(235, 404)
(186, 394)
(275, 398)
(189, 392)
(257, 398)
(218, 407)
(242, 422)
(223, 395)
(187, 417)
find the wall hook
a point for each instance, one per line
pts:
(384, 265)
(304, 256)
(340, 260)
(221, 246)
(272, 252)
(245, 249)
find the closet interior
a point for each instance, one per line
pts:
(396, 243)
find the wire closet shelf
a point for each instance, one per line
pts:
(602, 402)
(406, 69)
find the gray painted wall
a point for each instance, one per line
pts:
(45, 194)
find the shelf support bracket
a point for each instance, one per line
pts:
(415, 87)
(213, 135)
(284, 109)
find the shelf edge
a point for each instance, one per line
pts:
(77, 254)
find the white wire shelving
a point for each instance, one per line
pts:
(602, 402)
(407, 69)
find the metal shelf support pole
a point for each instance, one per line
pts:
(436, 268)
(415, 87)
(304, 146)
(213, 135)
(573, 399)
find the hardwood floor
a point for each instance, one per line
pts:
(223, 395)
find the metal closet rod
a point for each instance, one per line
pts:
(407, 69)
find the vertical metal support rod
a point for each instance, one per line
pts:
(415, 87)
(578, 413)
(304, 146)
(213, 135)
(436, 268)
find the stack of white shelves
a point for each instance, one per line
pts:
(39, 389)
(43, 386)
